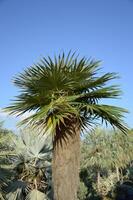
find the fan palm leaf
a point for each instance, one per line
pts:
(16, 190)
(36, 195)
(58, 88)
(32, 166)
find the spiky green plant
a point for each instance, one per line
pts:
(108, 153)
(32, 167)
(121, 152)
(5, 149)
(65, 93)
(96, 150)
(96, 153)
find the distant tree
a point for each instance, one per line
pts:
(96, 152)
(82, 192)
(5, 137)
(108, 153)
(5, 149)
(121, 151)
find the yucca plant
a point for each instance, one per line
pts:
(32, 168)
(65, 93)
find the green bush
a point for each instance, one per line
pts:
(82, 192)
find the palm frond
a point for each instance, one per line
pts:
(108, 114)
(31, 167)
(55, 88)
(30, 145)
(36, 195)
(5, 174)
(16, 190)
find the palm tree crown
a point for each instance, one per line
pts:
(65, 88)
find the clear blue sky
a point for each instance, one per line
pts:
(102, 29)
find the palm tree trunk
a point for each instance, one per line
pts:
(98, 181)
(121, 175)
(66, 162)
(118, 174)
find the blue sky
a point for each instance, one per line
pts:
(102, 29)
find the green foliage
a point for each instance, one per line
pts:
(106, 185)
(101, 153)
(16, 190)
(31, 171)
(5, 149)
(88, 177)
(120, 146)
(82, 192)
(96, 151)
(66, 87)
(5, 139)
(61, 91)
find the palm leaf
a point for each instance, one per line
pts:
(32, 165)
(5, 175)
(16, 190)
(64, 87)
(30, 146)
(36, 195)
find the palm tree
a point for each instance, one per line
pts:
(31, 170)
(5, 149)
(65, 93)
(96, 154)
(6, 146)
(121, 151)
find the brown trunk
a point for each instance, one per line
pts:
(118, 174)
(121, 175)
(66, 162)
